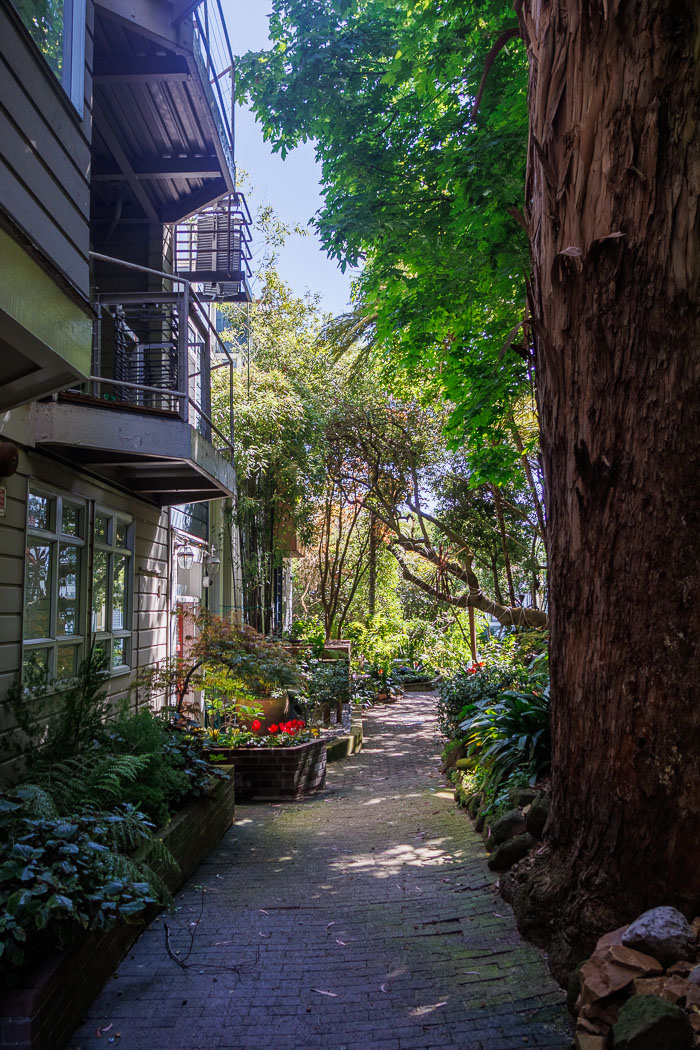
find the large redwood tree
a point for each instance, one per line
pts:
(612, 213)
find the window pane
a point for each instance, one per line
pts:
(102, 651)
(67, 661)
(35, 666)
(119, 593)
(122, 530)
(37, 591)
(71, 524)
(44, 20)
(101, 529)
(68, 590)
(40, 512)
(119, 652)
(99, 591)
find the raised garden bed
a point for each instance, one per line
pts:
(276, 774)
(44, 1011)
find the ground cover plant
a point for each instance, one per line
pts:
(78, 849)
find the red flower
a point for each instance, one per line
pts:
(301, 723)
(255, 725)
(273, 729)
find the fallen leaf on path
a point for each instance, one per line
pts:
(334, 995)
(261, 934)
(383, 988)
(99, 1032)
(328, 925)
(262, 910)
(343, 943)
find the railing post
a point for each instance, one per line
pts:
(183, 381)
(206, 384)
(96, 348)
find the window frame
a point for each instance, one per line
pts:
(54, 537)
(113, 550)
(71, 82)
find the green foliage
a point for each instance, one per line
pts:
(507, 730)
(311, 631)
(329, 682)
(56, 720)
(379, 641)
(463, 693)
(61, 874)
(416, 187)
(227, 656)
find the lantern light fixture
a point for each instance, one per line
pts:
(185, 556)
(212, 563)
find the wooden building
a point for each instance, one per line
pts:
(116, 123)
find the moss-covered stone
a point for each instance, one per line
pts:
(506, 855)
(647, 1022)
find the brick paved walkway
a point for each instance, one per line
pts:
(364, 917)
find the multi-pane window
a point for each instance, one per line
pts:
(64, 578)
(57, 27)
(111, 587)
(54, 582)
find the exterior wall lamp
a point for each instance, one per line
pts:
(185, 556)
(212, 563)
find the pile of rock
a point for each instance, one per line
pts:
(640, 990)
(510, 836)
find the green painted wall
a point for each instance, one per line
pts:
(35, 301)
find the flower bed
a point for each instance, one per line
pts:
(276, 774)
(43, 1012)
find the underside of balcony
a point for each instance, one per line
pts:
(162, 460)
(162, 123)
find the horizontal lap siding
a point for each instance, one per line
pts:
(151, 591)
(44, 154)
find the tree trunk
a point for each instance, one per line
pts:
(372, 586)
(504, 542)
(612, 209)
(472, 635)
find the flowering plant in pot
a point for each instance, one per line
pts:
(282, 734)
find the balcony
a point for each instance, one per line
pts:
(163, 129)
(143, 420)
(213, 250)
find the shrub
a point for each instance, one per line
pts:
(510, 734)
(460, 695)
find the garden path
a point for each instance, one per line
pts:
(363, 917)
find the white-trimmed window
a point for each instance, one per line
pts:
(57, 27)
(112, 587)
(55, 582)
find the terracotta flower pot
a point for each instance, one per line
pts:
(275, 709)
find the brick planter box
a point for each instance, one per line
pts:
(277, 774)
(43, 1013)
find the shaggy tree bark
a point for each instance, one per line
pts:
(612, 212)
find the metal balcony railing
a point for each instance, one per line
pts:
(152, 351)
(214, 54)
(212, 249)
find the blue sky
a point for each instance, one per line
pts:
(290, 185)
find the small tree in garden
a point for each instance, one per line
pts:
(231, 656)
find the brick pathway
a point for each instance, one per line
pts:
(364, 917)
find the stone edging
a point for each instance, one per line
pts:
(347, 744)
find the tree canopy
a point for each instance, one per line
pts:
(418, 188)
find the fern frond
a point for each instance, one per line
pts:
(38, 804)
